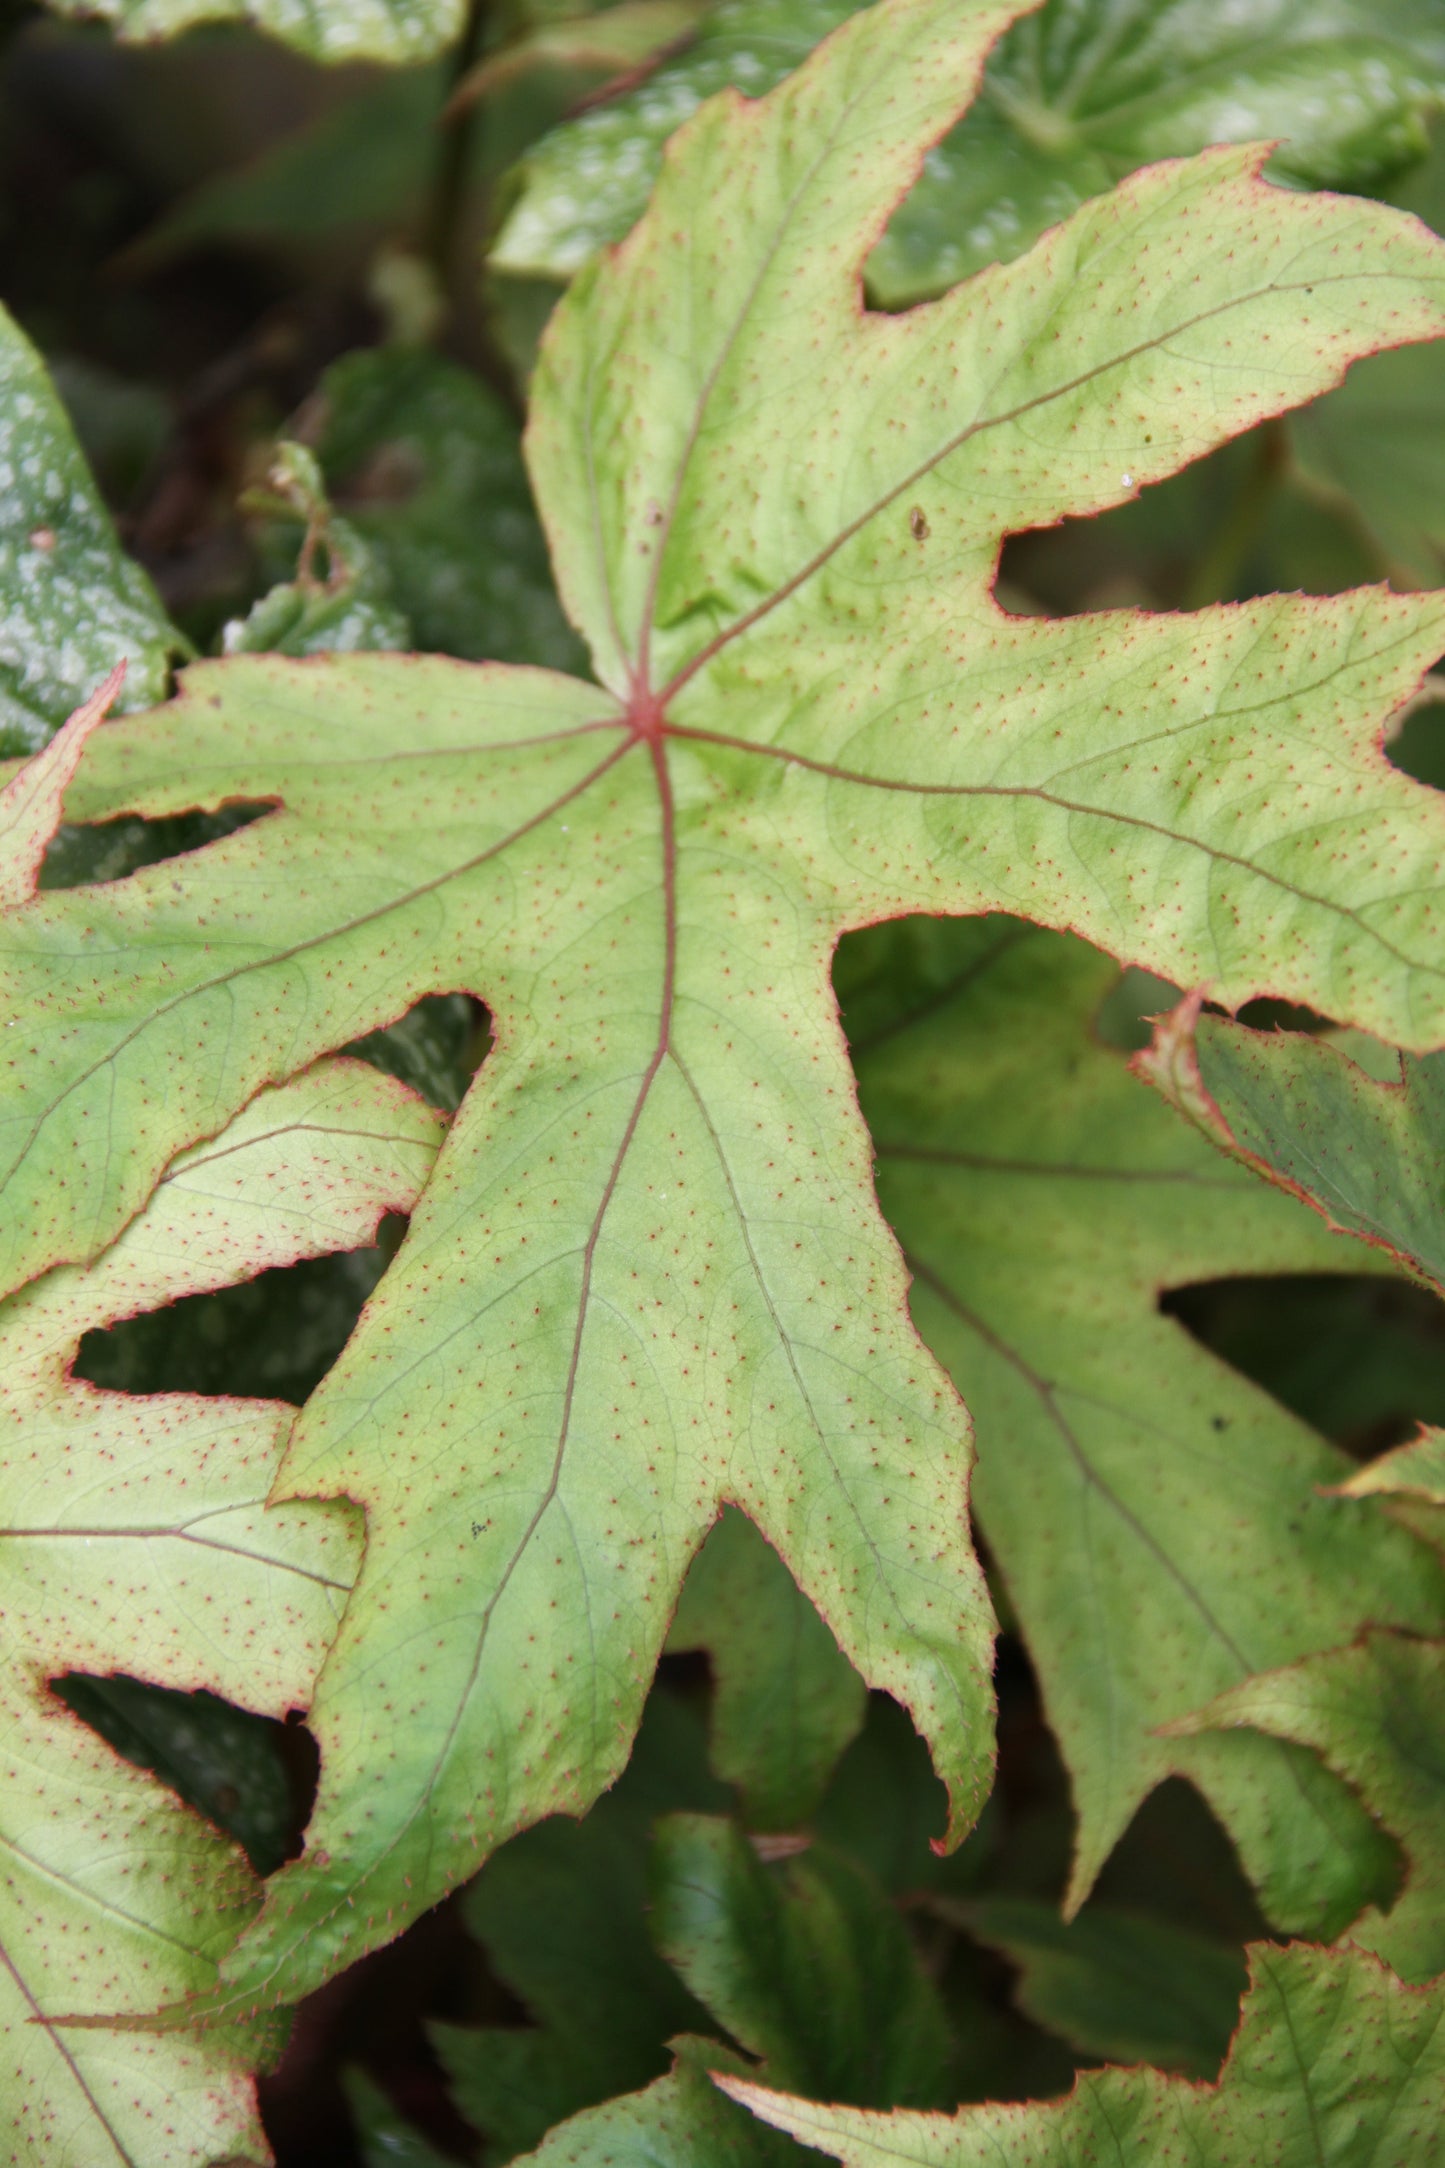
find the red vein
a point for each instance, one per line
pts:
(336, 932)
(946, 450)
(662, 1047)
(1039, 795)
(38, 2017)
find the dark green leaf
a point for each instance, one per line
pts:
(804, 1961)
(786, 1701)
(1072, 100)
(1117, 1984)
(426, 463)
(560, 1911)
(72, 604)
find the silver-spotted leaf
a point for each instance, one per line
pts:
(72, 604)
(1074, 98)
(333, 30)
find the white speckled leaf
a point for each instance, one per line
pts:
(394, 30)
(72, 604)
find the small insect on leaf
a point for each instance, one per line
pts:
(917, 524)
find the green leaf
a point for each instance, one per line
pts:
(620, 41)
(1154, 1517)
(1373, 1712)
(561, 1913)
(649, 1276)
(682, 2121)
(1074, 98)
(1416, 1470)
(340, 601)
(333, 30)
(1116, 1984)
(73, 603)
(137, 1537)
(387, 2139)
(428, 467)
(785, 1701)
(1335, 2061)
(1367, 1154)
(805, 1962)
(1375, 448)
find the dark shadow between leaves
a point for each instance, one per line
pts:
(252, 1776)
(1360, 1358)
(92, 856)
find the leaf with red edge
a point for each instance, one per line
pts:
(1373, 1712)
(649, 1275)
(137, 1538)
(1334, 2061)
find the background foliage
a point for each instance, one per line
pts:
(262, 381)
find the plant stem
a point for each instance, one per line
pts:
(449, 180)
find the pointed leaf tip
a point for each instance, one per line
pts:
(30, 803)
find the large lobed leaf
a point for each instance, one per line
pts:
(649, 1276)
(1156, 1519)
(1334, 2061)
(136, 1538)
(1074, 98)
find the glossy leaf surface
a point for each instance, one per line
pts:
(1155, 1518)
(1335, 2061)
(755, 1942)
(72, 604)
(334, 30)
(649, 1276)
(1074, 98)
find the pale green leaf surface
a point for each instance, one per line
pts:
(1335, 2062)
(1416, 1470)
(1074, 98)
(74, 605)
(30, 802)
(335, 30)
(1373, 1712)
(785, 1703)
(1116, 1984)
(649, 1277)
(1367, 1154)
(804, 1961)
(136, 1538)
(682, 2121)
(1155, 1517)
